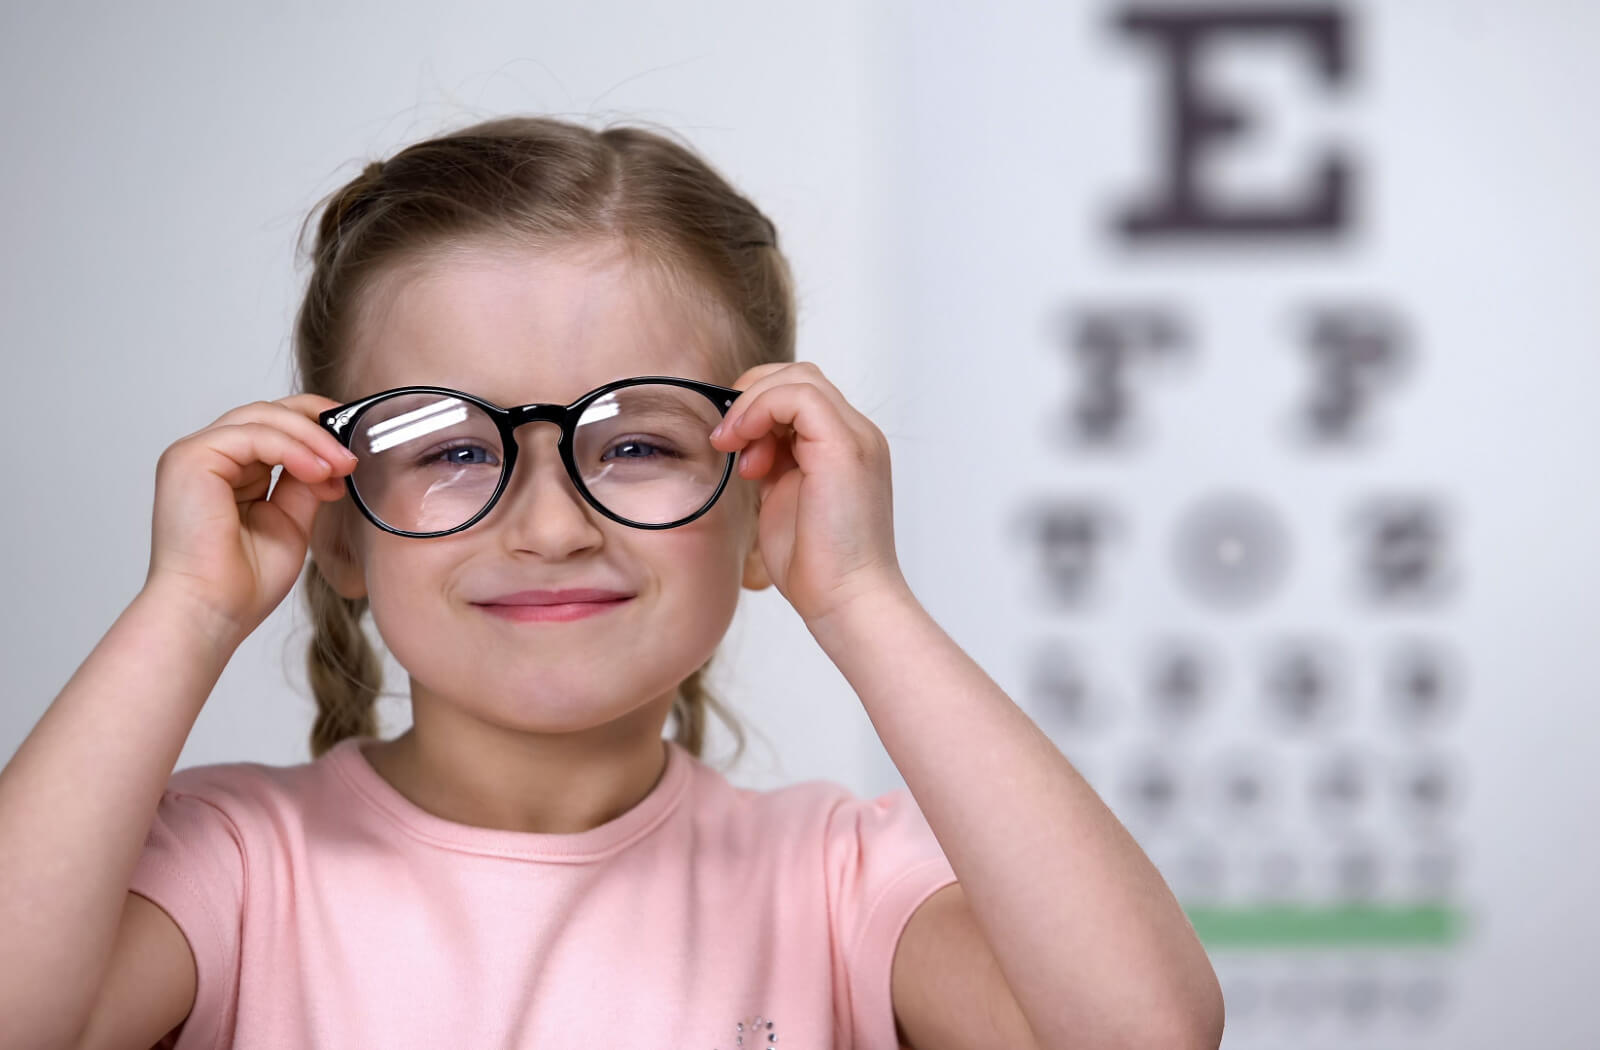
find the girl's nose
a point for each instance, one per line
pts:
(541, 509)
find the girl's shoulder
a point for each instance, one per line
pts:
(245, 791)
(816, 810)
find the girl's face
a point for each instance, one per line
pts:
(516, 327)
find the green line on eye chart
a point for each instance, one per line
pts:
(1333, 926)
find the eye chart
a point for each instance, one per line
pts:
(1246, 441)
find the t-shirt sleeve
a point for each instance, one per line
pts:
(193, 868)
(881, 862)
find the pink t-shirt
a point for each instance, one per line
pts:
(325, 909)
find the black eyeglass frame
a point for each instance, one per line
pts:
(340, 422)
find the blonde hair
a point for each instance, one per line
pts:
(540, 183)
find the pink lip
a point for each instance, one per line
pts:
(575, 604)
(562, 611)
(580, 594)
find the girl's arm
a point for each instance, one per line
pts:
(78, 799)
(1089, 942)
(1093, 947)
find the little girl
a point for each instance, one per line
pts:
(550, 426)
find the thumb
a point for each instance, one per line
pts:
(298, 501)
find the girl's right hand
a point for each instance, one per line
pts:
(216, 537)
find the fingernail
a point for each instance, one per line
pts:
(718, 431)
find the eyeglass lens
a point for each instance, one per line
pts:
(430, 462)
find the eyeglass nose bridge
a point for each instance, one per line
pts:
(541, 413)
(537, 413)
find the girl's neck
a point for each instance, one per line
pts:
(544, 785)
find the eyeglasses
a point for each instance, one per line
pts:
(432, 461)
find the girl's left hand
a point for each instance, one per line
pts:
(826, 508)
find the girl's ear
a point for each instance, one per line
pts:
(331, 550)
(755, 567)
(755, 570)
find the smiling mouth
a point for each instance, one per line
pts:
(558, 612)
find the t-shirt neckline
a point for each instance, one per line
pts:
(580, 847)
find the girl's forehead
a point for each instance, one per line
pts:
(526, 327)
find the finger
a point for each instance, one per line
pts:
(723, 436)
(799, 405)
(747, 383)
(298, 501)
(758, 456)
(803, 407)
(308, 405)
(751, 375)
(783, 461)
(322, 445)
(332, 489)
(238, 450)
(789, 372)
(297, 416)
(802, 375)
(266, 485)
(757, 379)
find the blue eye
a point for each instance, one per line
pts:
(637, 449)
(461, 454)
